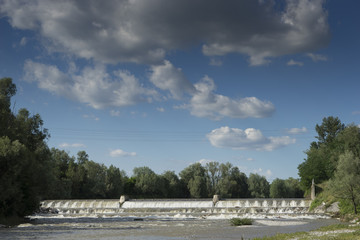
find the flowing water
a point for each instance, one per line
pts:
(166, 219)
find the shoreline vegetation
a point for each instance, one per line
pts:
(334, 232)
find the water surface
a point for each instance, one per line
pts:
(130, 228)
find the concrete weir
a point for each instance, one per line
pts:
(169, 207)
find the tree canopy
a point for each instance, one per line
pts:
(334, 161)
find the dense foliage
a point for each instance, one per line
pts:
(24, 157)
(334, 161)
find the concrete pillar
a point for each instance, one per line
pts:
(313, 194)
(216, 198)
(123, 199)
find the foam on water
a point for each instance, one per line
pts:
(177, 208)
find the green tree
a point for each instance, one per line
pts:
(95, 184)
(213, 175)
(328, 130)
(194, 178)
(7, 90)
(173, 186)
(241, 189)
(60, 161)
(279, 189)
(226, 184)
(148, 183)
(13, 159)
(78, 177)
(129, 186)
(259, 187)
(345, 183)
(114, 182)
(319, 165)
(226, 180)
(294, 188)
(349, 140)
(25, 158)
(322, 157)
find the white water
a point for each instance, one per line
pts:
(166, 204)
(187, 208)
(264, 203)
(79, 204)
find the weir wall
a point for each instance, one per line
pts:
(174, 206)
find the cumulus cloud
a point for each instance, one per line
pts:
(294, 63)
(167, 77)
(205, 103)
(121, 153)
(297, 130)
(72, 145)
(92, 86)
(144, 31)
(97, 88)
(248, 139)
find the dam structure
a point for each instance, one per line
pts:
(203, 208)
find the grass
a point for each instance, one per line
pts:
(333, 232)
(240, 221)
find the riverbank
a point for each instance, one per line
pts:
(334, 232)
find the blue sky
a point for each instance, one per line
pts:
(165, 84)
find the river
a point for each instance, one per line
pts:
(152, 227)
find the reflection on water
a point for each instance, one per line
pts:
(154, 228)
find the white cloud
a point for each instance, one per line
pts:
(92, 86)
(160, 109)
(294, 63)
(23, 41)
(297, 130)
(167, 77)
(91, 116)
(267, 173)
(121, 153)
(250, 159)
(144, 31)
(317, 57)
(72, 145)
(205, 161)
(114, 113)
(205, 103)
(215, 62)
(248, 139)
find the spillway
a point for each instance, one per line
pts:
(172, 207)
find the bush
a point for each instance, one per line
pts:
(240, 221)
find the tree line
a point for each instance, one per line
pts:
(82, 178)
(30, 171)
